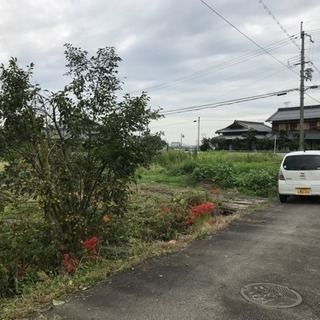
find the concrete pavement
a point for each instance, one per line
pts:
(278, 245)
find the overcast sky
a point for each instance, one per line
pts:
(184, 53)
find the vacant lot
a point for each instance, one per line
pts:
(180, 197)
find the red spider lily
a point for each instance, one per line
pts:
(199, 210)
(202, 208)
(91, 245)
(68, 264)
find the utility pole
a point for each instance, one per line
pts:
(302, 62)
(305, 74)
(182, 136)
(198, 140)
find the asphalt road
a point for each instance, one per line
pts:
(278, 245)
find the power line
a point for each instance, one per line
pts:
(202, 120)
(232, 101)
(252, 78)
(279, 24)
(246, 36)
(227, 102)
(312, 97)
(233, 26)
(291, 38)
(316, 31)
(215, 68)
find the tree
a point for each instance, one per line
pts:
(75, 150)
(283, 141)
(238, 144)
(294, 142)
(205, 144)
(215, 143)
(265, 144)
(251, 139)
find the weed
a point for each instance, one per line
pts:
(159, 220)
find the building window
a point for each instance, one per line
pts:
(313, 125)
(284, 126)
(293, 126)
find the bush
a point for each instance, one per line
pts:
(186, 167)
(78, 156)
(26, 248)
(245, 167)
(221, 175)
(156, 222)
(160, 219)
(261, 182)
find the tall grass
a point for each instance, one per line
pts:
(167, 158)
(235, 157)
(245, 171)
(179, 162)
(170, 157)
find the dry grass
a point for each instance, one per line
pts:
(2, 164)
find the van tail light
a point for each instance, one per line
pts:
(281, 176)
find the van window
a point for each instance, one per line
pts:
(302, 162)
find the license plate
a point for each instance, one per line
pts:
(303, 191)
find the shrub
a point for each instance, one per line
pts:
(219, 174)
(160, 219)
(154, 222)
(258, 182)
(78, 155)
(182, 169)
(188, 166)
(25, 249)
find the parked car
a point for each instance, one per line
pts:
(299, 174)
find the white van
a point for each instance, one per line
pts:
(299, 174)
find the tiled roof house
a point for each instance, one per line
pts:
(238, 128)
(288, 120)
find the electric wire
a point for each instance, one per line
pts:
(279, 24)
(237, 29)
(246, 36)
(285, 31)
(202, 120)
(217, 67)
(228, 102)
(252, 76)
(307, 94)
(291, 38)
(229, 63)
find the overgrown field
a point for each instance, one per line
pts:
(175, 200)
(248, 173)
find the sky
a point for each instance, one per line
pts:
(192, 57)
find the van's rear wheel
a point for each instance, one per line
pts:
(283, 198)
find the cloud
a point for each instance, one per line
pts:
(181, 52)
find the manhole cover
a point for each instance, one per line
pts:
(271, 295)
